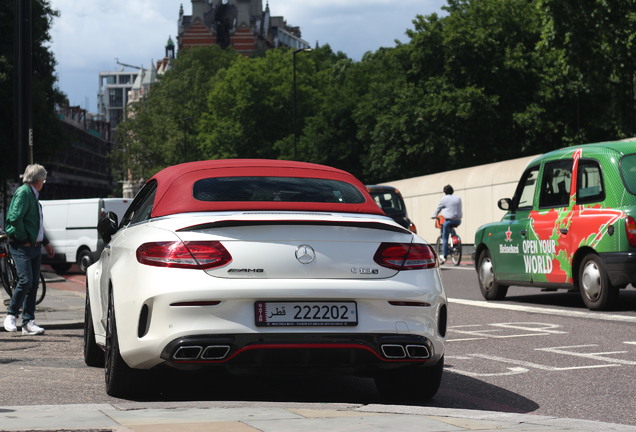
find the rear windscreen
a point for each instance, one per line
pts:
(628, 172)
(284, 189)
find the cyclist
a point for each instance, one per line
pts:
(26, 237)
(450, 207)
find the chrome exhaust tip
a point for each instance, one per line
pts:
(215, 352)
(393, 351)
(418, 351)
(187, 353)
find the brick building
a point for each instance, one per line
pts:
(241, 24)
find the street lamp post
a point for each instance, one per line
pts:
(185, 139)
(294, 120)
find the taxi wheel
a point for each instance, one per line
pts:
(594, 284)
(490, 288)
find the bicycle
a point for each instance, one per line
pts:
(454, 242)
(9, 273)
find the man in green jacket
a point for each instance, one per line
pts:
(26, 237)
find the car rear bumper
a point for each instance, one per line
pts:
(362, 353)
(621, 267)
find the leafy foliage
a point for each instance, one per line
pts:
(488, 80)
(47, 134)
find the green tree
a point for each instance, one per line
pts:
(161, 129)
(249, 111)
(47, 132)
(596, 42)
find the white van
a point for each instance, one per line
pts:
(71, 227)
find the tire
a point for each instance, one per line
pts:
(456, 253)
(438, 247)
(10, 278)
(93, 354)
(61, 268)
(120, 378)
(84, 260)
(413, 383)
(490, 288)
(595, 287)
(41, 290)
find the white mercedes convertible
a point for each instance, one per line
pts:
(256, 266)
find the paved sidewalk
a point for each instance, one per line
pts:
(63, 307)
(279, 417)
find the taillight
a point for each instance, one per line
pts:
(405, 256)
(191, 254)
(630, 229)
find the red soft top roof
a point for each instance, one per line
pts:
(174, 186)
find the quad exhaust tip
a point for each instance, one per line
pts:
(220, 352)
(195, 352)
(396, 351)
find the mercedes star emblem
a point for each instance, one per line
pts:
(305, 254)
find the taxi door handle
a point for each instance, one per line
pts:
(564, 231)
(523, 232)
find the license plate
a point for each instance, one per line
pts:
(302, 313)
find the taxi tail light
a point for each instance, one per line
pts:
(200, 255)
(630, 229)
(405, 256)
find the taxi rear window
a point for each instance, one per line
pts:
(285, 189)
(628, 173)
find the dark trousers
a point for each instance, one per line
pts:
(27, 262)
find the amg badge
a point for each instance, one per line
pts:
(245, 270)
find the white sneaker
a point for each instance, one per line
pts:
(31, 328)
(9, 323)
(442, 260)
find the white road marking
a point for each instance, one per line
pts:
(600, 356)
(546, 311)
(478, 331)
(540, 366)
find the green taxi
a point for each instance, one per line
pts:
(570, 224)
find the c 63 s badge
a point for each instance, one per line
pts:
(245, 270)
(365, 270)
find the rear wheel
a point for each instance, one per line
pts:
(120, 378)
(439, 247)
(594, 284)
(413, 383)
(41, 289)
(490, 288)
(9, 276)
(456, 252)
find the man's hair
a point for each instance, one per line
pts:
(33, 173)
(448, 190)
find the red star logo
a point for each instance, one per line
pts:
(508, 235)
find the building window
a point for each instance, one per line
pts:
(115, 97)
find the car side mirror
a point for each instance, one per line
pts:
(107, 226)
(505, 204)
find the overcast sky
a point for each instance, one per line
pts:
(90, 34)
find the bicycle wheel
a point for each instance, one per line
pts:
(9, 276)
(4, 279)
(41, 289)
(456, 252)
(438, 247)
